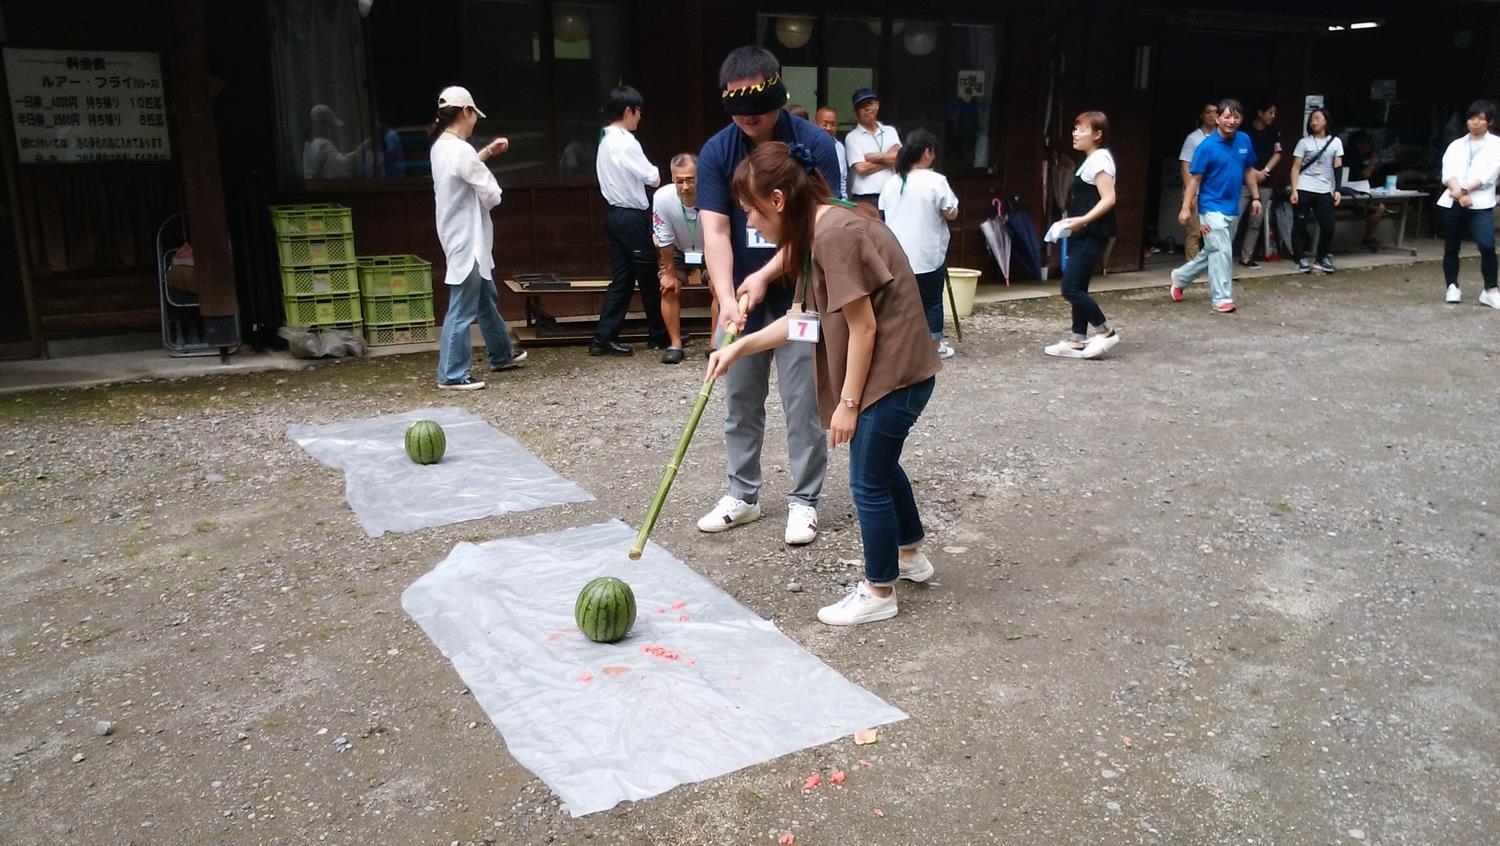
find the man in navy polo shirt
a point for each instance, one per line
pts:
(1221, 165)
(740, 264)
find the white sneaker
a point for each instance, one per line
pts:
(801, 523)
(919, 569)
(1453, 295)
(1490, 297)
(944, 351)
(1062, 349)
(859, 605)
(730, 512)
(1100, 344)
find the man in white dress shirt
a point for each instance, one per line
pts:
(624, 173)
(828, 121)
(871, 147)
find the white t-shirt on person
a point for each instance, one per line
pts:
(674, 224)
(463, 192)
(915, 216)
(1190, 144)
(1317, 176)
(1097, 162)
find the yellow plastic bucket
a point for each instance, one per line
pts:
(965, 283)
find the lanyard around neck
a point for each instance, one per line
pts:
(690, 223)
(454, 134)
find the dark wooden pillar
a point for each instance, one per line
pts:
(198, 155)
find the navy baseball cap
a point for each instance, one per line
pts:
(862, 95)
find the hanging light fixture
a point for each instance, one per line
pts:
(794, 32)
(920, 38)
(570, 24)
(877, 27)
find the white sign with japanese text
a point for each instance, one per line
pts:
(87, 105)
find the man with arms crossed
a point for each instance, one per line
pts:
(871, 147)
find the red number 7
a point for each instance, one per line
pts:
(801, 329)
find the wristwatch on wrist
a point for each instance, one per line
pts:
(849, 403)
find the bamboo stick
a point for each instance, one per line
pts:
(670, 475)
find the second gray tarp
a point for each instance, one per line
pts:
(483, 473)
(700, 687)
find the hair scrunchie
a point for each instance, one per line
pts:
(803, 156)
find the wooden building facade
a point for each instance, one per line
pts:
(251, 85)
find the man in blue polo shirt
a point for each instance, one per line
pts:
(1221, 165)
(740, 264)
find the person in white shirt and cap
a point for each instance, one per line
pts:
(464, 192)
(871, 147)
(1471, 167)
(624, 174)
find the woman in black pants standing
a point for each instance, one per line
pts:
(1091, 222)
(1315, 189)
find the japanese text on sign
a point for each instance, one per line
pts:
(86, 106)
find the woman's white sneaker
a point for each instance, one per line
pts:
(730, 512)
(859, 605)
(1490, 297)
(1453, 295)
(801, 524)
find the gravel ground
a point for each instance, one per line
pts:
(1235, 584)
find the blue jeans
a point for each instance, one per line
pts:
(1217, 256)
(883, 501)
(930, 286)
(474, 299)
(1478, 224)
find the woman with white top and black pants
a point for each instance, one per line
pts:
(464, 192)
(1471, 167)
(1091, 221)
(917, 205)
(1315, 176)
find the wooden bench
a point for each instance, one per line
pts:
(565, 310)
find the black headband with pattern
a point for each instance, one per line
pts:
(756, 99)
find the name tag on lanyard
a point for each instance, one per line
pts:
(802, 327)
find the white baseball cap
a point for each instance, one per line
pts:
(457, 95)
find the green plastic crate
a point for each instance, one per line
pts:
(319, 281)
(309, 250)
(312, 219)
(383, 311)
(388, 276)
(411, 333)
(321, 311)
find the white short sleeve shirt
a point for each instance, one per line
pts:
(914, 213)
(860, 141)
(674, 224)
(1317, 168)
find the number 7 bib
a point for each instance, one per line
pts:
(802, 327)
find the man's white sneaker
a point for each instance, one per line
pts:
(1490, 297)
(918, 569)
(1453, 295)
(944, 351)
(730, 512)
(1062, 349)
(801, 524)
(859, 605)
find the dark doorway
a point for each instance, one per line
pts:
(1195, 67)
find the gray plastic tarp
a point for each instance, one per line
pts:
(483, 473)
(700, 687)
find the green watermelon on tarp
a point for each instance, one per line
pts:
(425, 442)
(605, 609)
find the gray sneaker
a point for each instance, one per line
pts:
(1304, 265)
(1324, 265)
(468, 383)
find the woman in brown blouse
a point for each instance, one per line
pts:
(874, 365)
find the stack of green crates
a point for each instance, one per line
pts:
(319, 278)
(397, 300)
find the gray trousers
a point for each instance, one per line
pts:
(747, 385)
